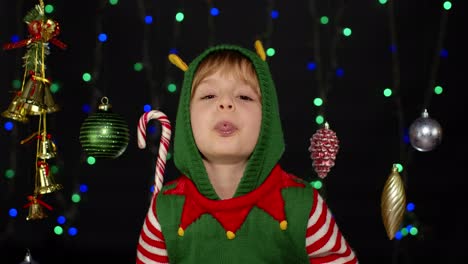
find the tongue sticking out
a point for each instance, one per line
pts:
(225, 128)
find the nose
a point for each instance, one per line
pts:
(225, 103)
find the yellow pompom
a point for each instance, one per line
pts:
(259, 49)
(230, 235)
(177, 61)
(284, 225)
(180, 231)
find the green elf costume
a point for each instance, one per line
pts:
(274, 217)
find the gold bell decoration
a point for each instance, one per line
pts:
(37, 96)
(44, 182)
(35, 99)
(104, 134)
(36, 212)
(16, 110)
(47, 148)
(393, 202)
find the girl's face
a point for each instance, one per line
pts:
(226, 115)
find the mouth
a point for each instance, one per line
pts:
(225, 128)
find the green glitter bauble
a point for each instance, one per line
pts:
(104, 134)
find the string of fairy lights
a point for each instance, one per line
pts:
(325, 70)
(324, 78)
(324, 63)
(409, 223)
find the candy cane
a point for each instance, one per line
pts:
(151, 246)
(163, 144)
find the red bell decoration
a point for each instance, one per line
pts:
(323, 148)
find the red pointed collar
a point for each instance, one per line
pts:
(231, 213)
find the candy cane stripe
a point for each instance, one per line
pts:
(324, 241)
(151, 245)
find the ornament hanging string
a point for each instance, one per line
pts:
(325, 70)
(163, 144)
(436, 58)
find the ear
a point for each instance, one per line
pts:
(177, 61)
(259, 49)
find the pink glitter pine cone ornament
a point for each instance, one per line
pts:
(324, 146)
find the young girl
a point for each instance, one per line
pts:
(233, 202)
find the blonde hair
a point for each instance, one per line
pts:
(227, 63)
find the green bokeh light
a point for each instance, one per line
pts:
(347, 32)
(270, 52)
(179, 17)
(54, 169)
(171, 87)
(54, 87)
(49, 9)
(86, 77)
(91, 160)
(316, 184)
(76, 198)
(399, 167)
(319, 119)
(318, 101)
(16, 84)
(404, 231)
(9, 174)
(387, 92)
(138, 66)
(58, 230)
(324, 20)
(447, 5)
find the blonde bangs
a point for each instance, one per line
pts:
(229, 64)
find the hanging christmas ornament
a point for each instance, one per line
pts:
(28, 259)
(104, 134)
(36, 212)
(393, 202)
(35, 96)
(44, 180)
(47, 148)
(16, 110)
(323, 148)
(425, 133)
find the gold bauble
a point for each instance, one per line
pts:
(393, 202)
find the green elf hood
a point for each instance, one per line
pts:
(270, 145)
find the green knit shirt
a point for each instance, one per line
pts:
(258, 240)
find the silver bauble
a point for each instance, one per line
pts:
(425, 133)
(28, 259)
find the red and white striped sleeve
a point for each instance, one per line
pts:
(151, 245)
(324, 241)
